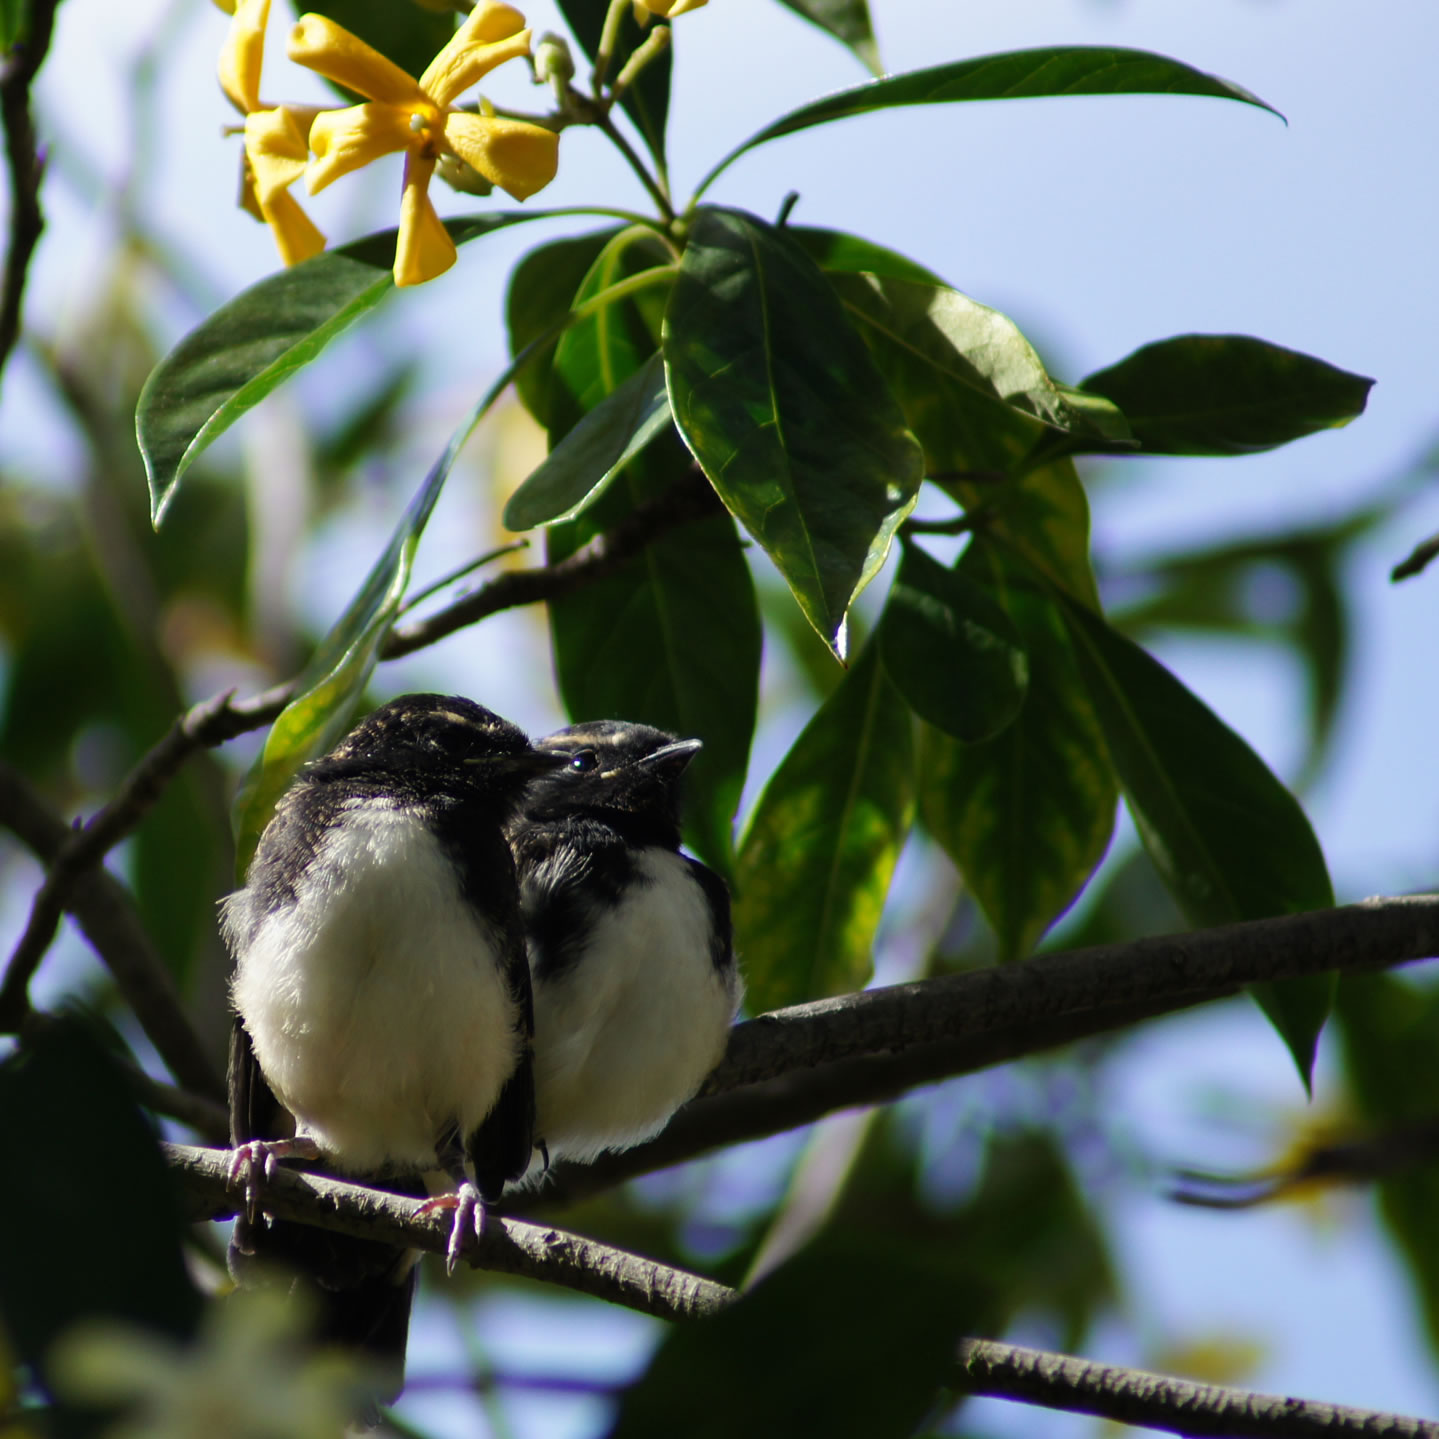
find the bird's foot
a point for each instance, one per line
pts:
(252, 1165)
(469, 1220)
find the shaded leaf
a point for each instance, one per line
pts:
(63, 1074)
(1013, 75)
(1226, 395)
(541, 288)
(778, 400)
(647, 101)
(1028, 815)
(248, 347)
(951, 649)
(820, 848)
(846, 20)
(845, 1338)
(579, 469)
(836, 250)
(1230, 842)
(956, 348)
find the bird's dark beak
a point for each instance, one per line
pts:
(541, 761)
(672, 761)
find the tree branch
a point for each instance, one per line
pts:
(25, 164)
(1155, 1401)
(508, 1246)
(983, 1366)
(796, 1065)
(107, 918)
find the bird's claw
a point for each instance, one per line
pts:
(470, 1216)
(253, 1165)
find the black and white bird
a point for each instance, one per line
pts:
(630, 945)
(381, 987)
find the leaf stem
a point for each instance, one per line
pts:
(656, 191)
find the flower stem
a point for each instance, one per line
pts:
(609, 37)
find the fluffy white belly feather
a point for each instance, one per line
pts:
(374, 1005)
(629, 1033)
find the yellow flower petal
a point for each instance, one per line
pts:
(296, 236)
(243, 53)
(275, 146)
(671, 8)
(517, 157)
(424, 248)
(343, 140)
(330, 49)
(492, 33)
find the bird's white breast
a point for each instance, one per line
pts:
(374, 1002)
(628, 1032)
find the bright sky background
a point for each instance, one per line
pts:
(1097, 224)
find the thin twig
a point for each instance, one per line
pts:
(508, 1246)
(25, 164)
(1156, 1401)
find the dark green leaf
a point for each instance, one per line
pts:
(779, 401)
(1227, 395)
(1014, 75)
(849, 254)
(541, 288)
(1417, 560)
(410, 35)
(580, 468)
(14, 21)
(61, 1080)
(852, 1338)
(232, 360)
(956, 348)
(330, 686)
(846, 20)
(820, 848)
(951, 649)
(1230, 842)
(1027, 815)
(647, 101)
(671, 639)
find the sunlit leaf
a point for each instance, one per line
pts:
(850, 254)
(951, 649)
(779, 401)
(1014, 75)
(1026, 816)
(1227, 395)
(1230, 842)
(820, 848)
(233, 359)
(846, 20)
(580, 468)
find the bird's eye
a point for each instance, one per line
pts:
(584, 760)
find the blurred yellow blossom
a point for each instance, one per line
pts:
(668, 9)
(418, 118)
(276, 137)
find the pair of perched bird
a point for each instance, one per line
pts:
(456, 951)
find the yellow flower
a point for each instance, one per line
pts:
(418, 118)
(668, 8)
(276, 137)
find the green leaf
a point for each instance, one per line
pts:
(14, 21)
(836, 250)
(1230, 842)
(253, 344)
(779, 401)
(846, 20)
(541, 288)
(671, 639)
(951, 649)
(330, 686)
(1013, 75)
(844, 1338)
(647, 101)
(61, 1075)
(820, 848)
(581, 467)
(410, 35)
(1227, 395)
(1028, 815)
(945, 349)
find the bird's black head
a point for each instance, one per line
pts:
(615, 770)
(443, 741)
